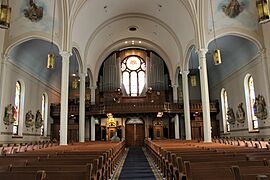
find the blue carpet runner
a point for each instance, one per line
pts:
(136, 166)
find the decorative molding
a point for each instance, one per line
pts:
(52, 88)
(6, 133)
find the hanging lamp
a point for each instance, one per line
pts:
(51, 56)
(263, 11)
(216, 53)
(192, 72)
(5, 14)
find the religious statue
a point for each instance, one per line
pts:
(240, 113)
(9, 115)
(29, 119)
(34, 13)
(230, 116)
(233, 8)
(260, 107)
(38, 121)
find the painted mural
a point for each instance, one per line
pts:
(233, 13)
(24, 20)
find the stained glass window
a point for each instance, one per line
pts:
(225, 106)
(43, 111)
(133, 75)
(252, 97)
(17, 107)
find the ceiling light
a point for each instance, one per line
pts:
(132, 28)
(140, 42)
(126, 42)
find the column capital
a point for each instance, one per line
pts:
(93, 87)
(65, 54)
(262, 51)
(175, 86)
(4, 57)
(201, 52)
(83, 75)
(185, 72)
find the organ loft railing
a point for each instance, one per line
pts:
(133, 107)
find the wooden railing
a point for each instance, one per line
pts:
(126, 108)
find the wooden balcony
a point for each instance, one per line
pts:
(134, 107)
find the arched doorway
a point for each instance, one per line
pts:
(135, 132)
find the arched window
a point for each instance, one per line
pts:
(133, 75)
(250, 100)
(17, 108)
(44, 112)
(224, 103)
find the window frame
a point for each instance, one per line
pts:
(224, 102)
(249, 104)
(139, 85)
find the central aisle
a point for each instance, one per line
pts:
(136, 166)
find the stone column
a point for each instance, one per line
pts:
(186, 104)
(3, 64)
(266, 75)
(93, 129)
(205, 95)
(64, 98)
(82, 108)
(87, 129)
(176, 126)
(93, 94)
(175, 96)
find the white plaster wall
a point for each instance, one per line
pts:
(234, 85)
(34, 89)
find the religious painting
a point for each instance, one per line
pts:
(9, 115)
(240, 113)
(29, 119)
(33, 12)
(232, 14)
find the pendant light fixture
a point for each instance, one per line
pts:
(5, 14)
(263, 11)
(192, 72)
(51, 56)
(216, 53)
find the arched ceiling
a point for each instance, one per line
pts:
(235, 53)
(32, 57)
(98, 27)
(167, 24)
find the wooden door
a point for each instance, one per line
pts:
(135, 134)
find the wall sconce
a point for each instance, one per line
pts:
(5, 14)
(263, 11)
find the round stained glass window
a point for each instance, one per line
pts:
(133, 63)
